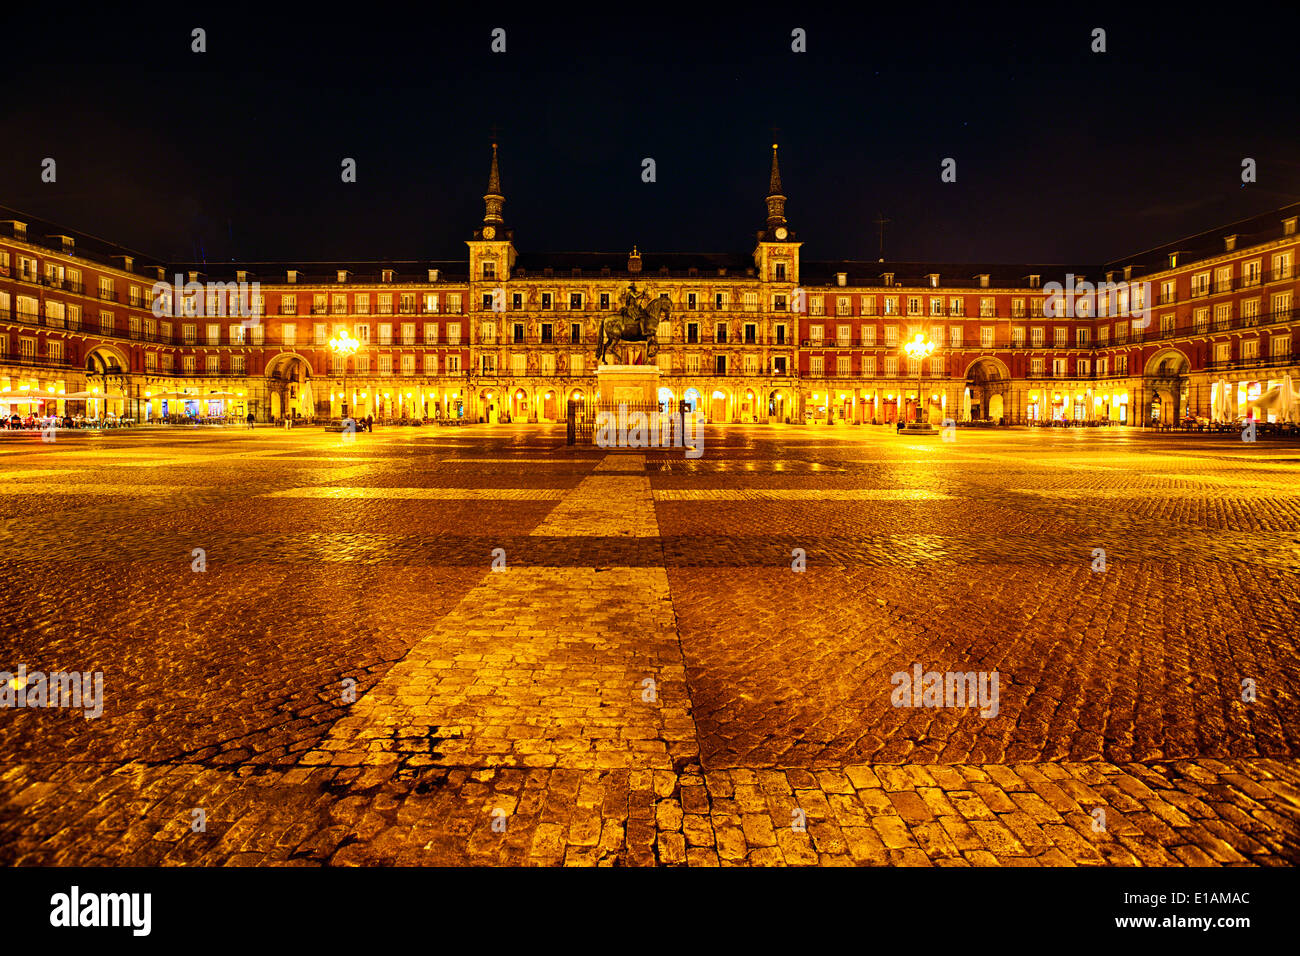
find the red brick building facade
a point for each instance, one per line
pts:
(758, 337)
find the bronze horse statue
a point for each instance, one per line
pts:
(633, 323)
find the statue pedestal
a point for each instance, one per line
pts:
(628, 384)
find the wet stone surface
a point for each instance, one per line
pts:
(643, 678)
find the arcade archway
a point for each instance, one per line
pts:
(987, 379)
(288, 383)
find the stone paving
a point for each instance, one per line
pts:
(482, 647)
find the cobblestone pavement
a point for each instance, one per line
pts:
(482, 647)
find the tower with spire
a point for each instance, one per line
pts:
(491, 251)
(777, 254)
(775, 200)
(493, 201)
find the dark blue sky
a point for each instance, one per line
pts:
(1063, 155)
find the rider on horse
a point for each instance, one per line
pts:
(634, 304)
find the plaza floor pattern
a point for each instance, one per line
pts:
(484, 647)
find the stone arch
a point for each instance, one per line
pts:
(1003, 372)
(987, 377)
(288, 362)
(719, 405)
(780, 405)
(288, 385)
(519, 404)
(107, 360)
(1168, 361)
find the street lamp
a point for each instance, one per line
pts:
(344, 345)
(919, 348)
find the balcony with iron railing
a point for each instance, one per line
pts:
(34, 361)
(1274, 360)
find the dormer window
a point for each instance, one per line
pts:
(1173, 260)
(433, 275)
(1229, 243)
(343, 275)
(1288, 226)
(934, 280)
(889, 278)
(984, 280)
(387, 275)
(292, 276)
(1035, 281)
(841, 278)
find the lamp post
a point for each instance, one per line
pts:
(919, 348)
(344, 345)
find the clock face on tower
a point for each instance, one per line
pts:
(781, 232)
(489, 232)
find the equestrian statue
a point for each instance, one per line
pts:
(637, 321)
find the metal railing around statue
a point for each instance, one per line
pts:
(583, 415)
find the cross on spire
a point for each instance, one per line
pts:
(881, 221)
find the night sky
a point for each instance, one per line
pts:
(1062, 155)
